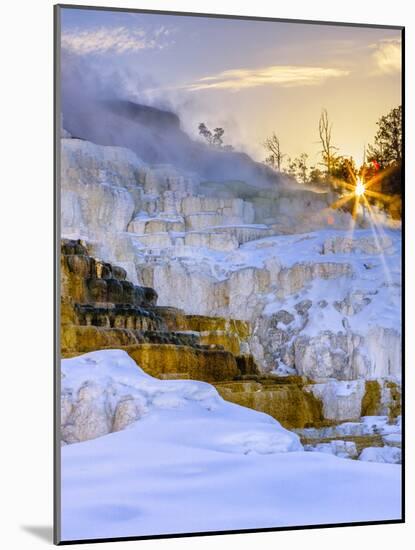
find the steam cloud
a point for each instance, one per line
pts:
(97, 106)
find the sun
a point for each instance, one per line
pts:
(359, 189)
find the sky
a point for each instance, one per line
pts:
(252, 78)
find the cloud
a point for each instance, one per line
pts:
(116, 40)
(387, 56)
(276, 75)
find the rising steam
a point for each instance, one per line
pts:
(97, 105)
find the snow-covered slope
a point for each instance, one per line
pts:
(192, 462)
(105, 391)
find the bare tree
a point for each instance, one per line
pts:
(327, 152)
(272, 144)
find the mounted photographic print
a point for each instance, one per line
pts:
(229, 209)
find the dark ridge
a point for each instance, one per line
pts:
(144, 114)
(156, 137)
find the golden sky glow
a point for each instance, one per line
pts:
(252, 78)
(277, 75)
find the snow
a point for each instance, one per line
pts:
(342, 449)
(308, 246)
(115, 376)
(242, 225)
(388, 455)
(161, 216)
(393, 439)
(345, 389)
(194, 462)
(369, 425)
(376, 275)
(380, 283)
(381, 424)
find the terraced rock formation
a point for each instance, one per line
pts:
(100, 309)
(285, 304)
(315, 285)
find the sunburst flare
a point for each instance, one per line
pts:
(359, 187)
